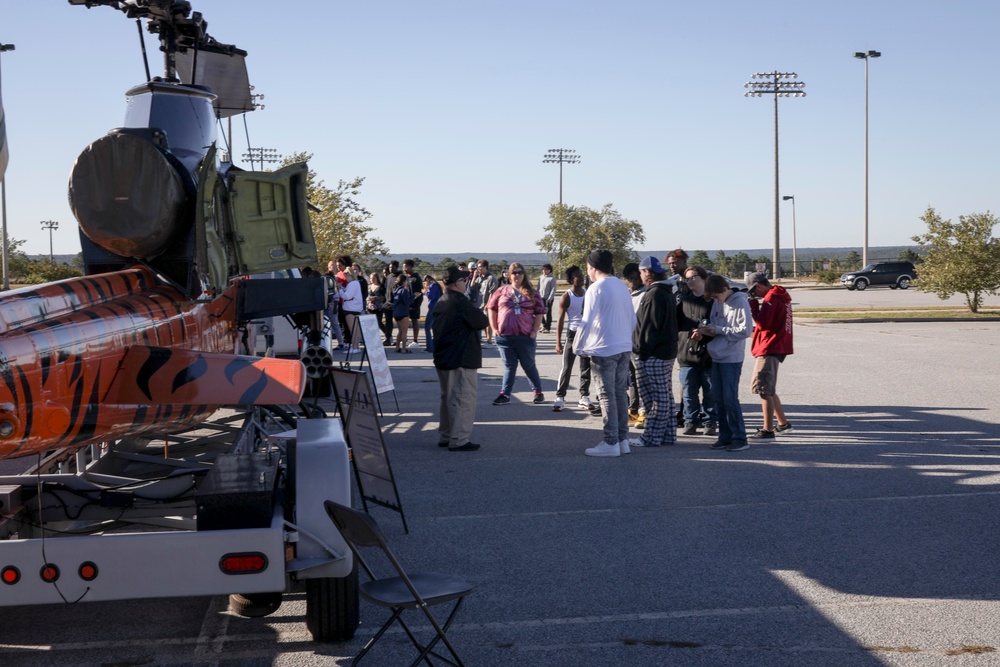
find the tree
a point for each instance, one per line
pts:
(339, 226)
(721, 263)
(961, 257)
(700, 258)
(852, 261)
(575, 231)
(911, 256)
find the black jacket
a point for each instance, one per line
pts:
(691, 310)
(656, 333)
(456, 327)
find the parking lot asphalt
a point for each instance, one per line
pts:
(866, 536)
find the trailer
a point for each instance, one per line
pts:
(234, 508)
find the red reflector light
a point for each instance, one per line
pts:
(250, 563)
(88, 571)
(10, 575)
(49, 573)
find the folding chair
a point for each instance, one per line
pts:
(421, 590)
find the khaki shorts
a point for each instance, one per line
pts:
(765, 376)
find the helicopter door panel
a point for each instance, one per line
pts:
(270, 221)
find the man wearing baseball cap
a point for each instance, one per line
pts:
(458, 355)
(771, 342)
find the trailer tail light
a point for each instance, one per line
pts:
(246, 563)
(49, 573)
(87, 571)
(10, 575)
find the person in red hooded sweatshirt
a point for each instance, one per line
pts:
(771, 342)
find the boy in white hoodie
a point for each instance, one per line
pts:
(731, 323)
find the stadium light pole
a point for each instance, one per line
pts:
(779, 84)
(50, 225)
(3, 192)
(261, 155)
(866, 56)
(795, 259)
(561, 156)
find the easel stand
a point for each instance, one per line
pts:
(376, 483)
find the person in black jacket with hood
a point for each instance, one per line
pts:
(458, 355)
(654, 344)
(692, 355)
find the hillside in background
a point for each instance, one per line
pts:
(875, 254)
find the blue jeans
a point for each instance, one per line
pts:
(693, 381)
(726, 385)
(612, 374)
(514, 349)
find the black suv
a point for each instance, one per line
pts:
(893, 274)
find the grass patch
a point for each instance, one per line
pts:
(938, 312)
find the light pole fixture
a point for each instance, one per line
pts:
(866, 56)
(779, 84)
(261, 155)
(3, 184)
(562, 156)
(795, 259)
(50, 225)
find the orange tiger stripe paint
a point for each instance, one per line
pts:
(63, 346)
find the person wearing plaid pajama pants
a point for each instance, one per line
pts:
(654, 344)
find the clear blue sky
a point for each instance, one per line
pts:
(447, 107)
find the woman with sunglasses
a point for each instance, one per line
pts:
(515, 313)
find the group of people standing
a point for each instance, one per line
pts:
(688, 316)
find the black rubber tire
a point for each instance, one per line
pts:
(333, 607)
(861, 284)
(904, 283)
(254, 605)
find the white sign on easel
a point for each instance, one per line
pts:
(375, 351)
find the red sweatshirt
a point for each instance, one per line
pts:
(772, 330)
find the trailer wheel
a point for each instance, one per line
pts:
(332, 607)
(254, 605)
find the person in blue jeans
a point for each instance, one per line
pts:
(515, 313)
(731, 324)
(432, 290)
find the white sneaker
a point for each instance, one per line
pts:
(558, 404)
(603, 449)
(624, 448)
(412, 345)
(585, 403)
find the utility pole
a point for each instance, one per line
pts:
(3, 182)
(777, 84)
(866, 56)
(50, 225)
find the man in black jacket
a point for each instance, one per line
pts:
(457, 356)
(692, 355)
(654, 344)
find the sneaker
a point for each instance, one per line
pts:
(783, 428)
(624, 448)
(603, 449)
(539, 398)
(690, 429)
(720, 445)
(586, 403)
(502, 399)
(737, 447)
(413, 345)
(558, 404)
(467, 447)
(761, 434)
(711, 430)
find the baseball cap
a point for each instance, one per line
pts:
(472, 266)
(652, 264)
(756, 277)
(453, 274)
